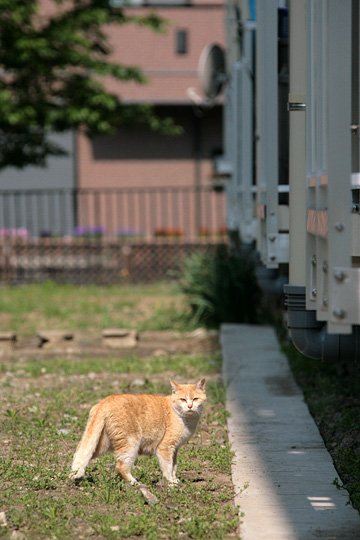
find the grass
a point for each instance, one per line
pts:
(187, 366)
(333, 398)
(44, 406)
(30, 308)
(44, 414)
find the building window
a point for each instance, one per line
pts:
(181, 41)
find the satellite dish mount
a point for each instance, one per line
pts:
(212, 71)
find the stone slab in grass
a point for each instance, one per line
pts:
(49, 339)
(119, 338)
(7, 341)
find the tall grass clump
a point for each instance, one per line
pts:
(221, 287)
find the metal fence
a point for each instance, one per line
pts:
(105, 235)
(186, 212)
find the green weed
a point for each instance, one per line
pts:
(221, 287)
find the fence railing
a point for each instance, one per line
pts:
(105, 235)
(133, 213)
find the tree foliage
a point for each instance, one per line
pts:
(52, 70)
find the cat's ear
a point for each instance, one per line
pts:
(174, 386)
(200, 385)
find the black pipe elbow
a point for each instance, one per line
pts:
(310, 337)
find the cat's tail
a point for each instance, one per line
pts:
(92, 443)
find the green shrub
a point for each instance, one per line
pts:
(221, 287)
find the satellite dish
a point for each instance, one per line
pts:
(212, 72)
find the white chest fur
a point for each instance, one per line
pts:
(188, 425)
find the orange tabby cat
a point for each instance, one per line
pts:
(131, 424)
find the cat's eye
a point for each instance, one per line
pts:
(195, 399)
(183, 399)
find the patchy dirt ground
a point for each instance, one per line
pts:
(45, 403)
(109, 342)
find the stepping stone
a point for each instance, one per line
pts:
(49, 339)
(7, 341)
(120, 338)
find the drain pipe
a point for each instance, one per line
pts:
(310, 336)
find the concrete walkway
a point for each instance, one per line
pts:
(282, 472)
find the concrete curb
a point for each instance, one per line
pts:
(282, 473)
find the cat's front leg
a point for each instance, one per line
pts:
(175, 480)
(167, 461)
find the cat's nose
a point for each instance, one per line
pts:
(190, 405)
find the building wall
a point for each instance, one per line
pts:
(170, 74)
(58, 173)
(26, 209)
(139, 157)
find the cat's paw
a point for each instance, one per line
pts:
(77, 475)
(174, 482)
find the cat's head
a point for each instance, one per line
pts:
(188, 399)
